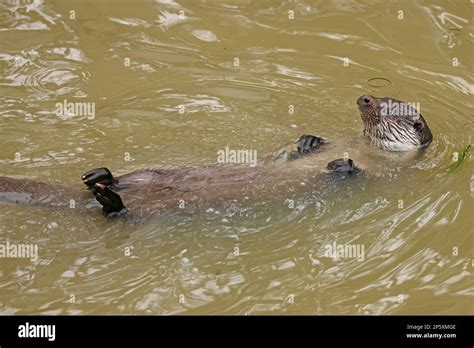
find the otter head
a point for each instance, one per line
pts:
(392, 124)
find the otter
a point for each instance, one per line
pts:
(392, 124)
(149, 192)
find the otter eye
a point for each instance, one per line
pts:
(366, 100)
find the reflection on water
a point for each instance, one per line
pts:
(173, 82)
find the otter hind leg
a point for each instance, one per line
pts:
(111, 202)
(98, 176)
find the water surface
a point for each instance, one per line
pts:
(173, 82)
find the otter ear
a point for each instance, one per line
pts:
(422, 129)
(418, 126)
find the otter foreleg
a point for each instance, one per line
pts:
(343, 165)
(343, 168)
(305, 145)
(308, 143)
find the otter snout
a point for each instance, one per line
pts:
(365, 101)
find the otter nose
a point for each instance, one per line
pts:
(364, 100)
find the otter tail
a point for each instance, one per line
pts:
(25, 191)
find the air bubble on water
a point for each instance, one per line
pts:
(379, 82)
(52, 225)
(185, 260)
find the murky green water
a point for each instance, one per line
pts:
(173, 83)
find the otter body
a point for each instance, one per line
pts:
(145, 193)
(151, 192)
(29, 192)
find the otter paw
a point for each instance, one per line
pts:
(97, 176)
(308, 143)
(342, 165)
(111, 202)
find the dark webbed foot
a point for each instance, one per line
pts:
(343, 165)
(308, 143)
(111, 202)
(305, 145)
(98, 176)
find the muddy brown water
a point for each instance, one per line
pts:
(174, 82)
